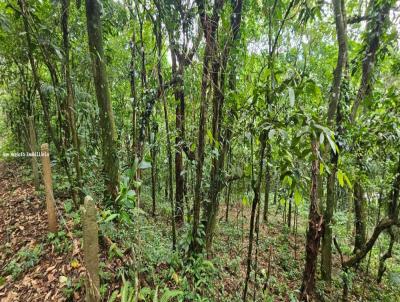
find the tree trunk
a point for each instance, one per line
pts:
(326, 248)
(314, 231)
(33, 147)
(108, 132)
(360, 217)
(256, 200)
(36, 79)
(387, 255)
(384, 224)
(179, 140)
(267, 187)
(375, 27)
(341, 32)
(132, 85)
(168, 136)
(209, 29)
(289, 216)
(220, 142)
(91, 251)
(48, 185)
(153, 152)
(70, 98)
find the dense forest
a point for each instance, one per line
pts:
(199, 150)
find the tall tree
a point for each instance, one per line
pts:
(218, 70)
(107, 125)
(314, 231)
(377, 23)
(209, 26)
(70, 94)
(339, 11)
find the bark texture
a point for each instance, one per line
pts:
(70, 103)
(91, 251)
(108, 133)
(256, 200)
(326, 244)
(360, 217)
(314, 231)
(48, 185)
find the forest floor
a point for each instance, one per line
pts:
(35, 266)
(31, 269)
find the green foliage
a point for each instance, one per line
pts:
(60, 241)
(128, 293)
(277, 83)
(23, 260)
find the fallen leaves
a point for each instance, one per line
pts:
(23, 226)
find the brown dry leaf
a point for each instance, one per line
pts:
(50, 277)
(50, 268)
(10, 297)
(27, 281)
(47, 296)
(76, 247)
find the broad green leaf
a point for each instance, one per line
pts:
(144, 165)
(321, 138)
(245, 201)
(347, 180)
(331, 142)
(297, 197)
(288, 180)
(210, 136)
(321, 168)
(340, 177)
(111, 217)
(168, 294)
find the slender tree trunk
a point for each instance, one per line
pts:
(179, 140)
(209, 28)
(276, 192)
(326, 248)
(132, 84)
(314, 231)
(218, 68)
(289, 218)
(153, 151)
(48, 185)
(108, 131)
(267, 186)
(195, 245)
(211, 207)
(33, 148)
(387, 255)
(170, 177)
(360, 217)
(375, 27)
(43, 98)
(229, 189)
(70, 98)
(169, 147)
(91, 250)
(45, 102)
(256, 200)
(341, 32)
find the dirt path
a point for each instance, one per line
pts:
(30, 267)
